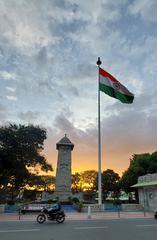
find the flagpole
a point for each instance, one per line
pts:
(99, 139)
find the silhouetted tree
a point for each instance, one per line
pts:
(140, 164)
(88, 180)
(43, 182)
(110, 183)
(76, 184)
(20, 149)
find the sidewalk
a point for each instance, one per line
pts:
(106, 215)
(79, 216)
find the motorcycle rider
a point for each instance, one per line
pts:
(54, 208)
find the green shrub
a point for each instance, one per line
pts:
(75, 200)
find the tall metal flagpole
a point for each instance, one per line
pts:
(99, 139)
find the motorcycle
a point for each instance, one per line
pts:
(51, 214)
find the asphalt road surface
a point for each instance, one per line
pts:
(118, 229)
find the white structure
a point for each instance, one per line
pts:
(63, 173)
(147, 191)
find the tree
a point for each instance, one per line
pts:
(84, 181)
(41, 182)
(88, 180)
(140, 164)
(76, 184)
(20, 149)
(110, 183)
(153, 163)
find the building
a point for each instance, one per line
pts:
(147, 191)
(63, 173)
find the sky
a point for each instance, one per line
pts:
(49, 76)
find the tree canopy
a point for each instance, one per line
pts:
(84, 181)
(76, 186)
(41, 182)
(110, 180)
(20, 149)
(88, 180)
(140, 164)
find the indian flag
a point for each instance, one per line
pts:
(112, 87)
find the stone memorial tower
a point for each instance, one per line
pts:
(63, 172)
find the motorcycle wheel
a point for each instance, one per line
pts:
(41, 218)
(60, 218)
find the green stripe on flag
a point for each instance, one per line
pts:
(116, 94)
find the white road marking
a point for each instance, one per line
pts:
(84, 228)
(19, 230)
(149, 225)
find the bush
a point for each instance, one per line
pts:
(79, 206)
(75, 200)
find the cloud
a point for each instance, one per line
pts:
(63, 124)
(7, 75)
(145, 8)
(12, 98)
(24, 26)
(130, 127)
(11, 89)
(42, 57)
(3, 113)
(28, 116)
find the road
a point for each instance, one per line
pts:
(117, 229)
